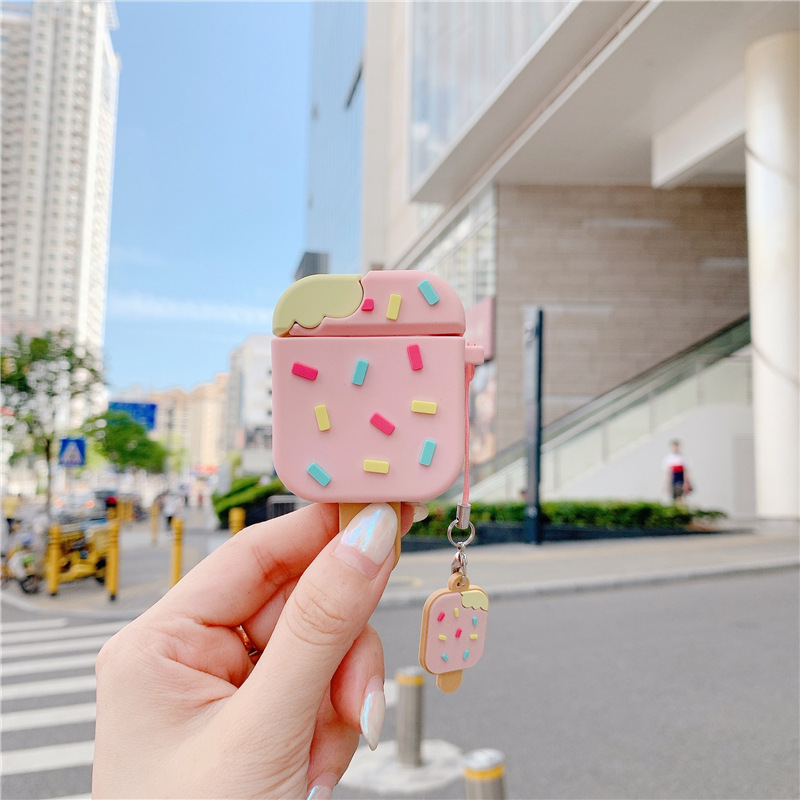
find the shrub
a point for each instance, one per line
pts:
(245, 492)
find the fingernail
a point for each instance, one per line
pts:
(373, 712)
(420, 511)
(369, 538)
(323, 787)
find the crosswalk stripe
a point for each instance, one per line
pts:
(18, 691)
(55, 756)
(47, 717)
(89, 643)
(67, 633)
(34, 624)
(71, 797)
(54, 664)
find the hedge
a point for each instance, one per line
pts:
(600, 514)
(244, 492)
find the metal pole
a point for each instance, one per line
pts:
(484, 771)
(155, 512)
(112, 560)
(533, 339)
(410, 694)
(177, 545)
(236, 520)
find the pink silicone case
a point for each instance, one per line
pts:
(367, 408)
(464, 632)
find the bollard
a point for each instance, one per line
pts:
(410, 693)
(177, 544)
(483, 775)
(112, 561)
(235, 520)
(154, 514)
(111, 513)
(53, 566)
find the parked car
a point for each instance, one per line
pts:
(81, 507)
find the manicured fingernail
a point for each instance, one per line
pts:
(323, 787)
(420, 511)
(369, 538)
(373, 712)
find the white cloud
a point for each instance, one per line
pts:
(139, 306)
(135, 257)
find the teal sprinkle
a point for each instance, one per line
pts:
(466, 655)
(475, 621)
(428, 292)
(318, 474)
(359, 373)
(426, 456)
(444, 657)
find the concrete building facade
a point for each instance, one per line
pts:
(60, 79)
(594, 165)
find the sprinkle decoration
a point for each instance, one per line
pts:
(444, 657)
(428, 449)
(393, 310)
(371, 465)
(458, 633)
(455, 611)
(473, 636)
(466, 655)
(442, 637)
(304, 371)
(414, 357)
(368, 304)
(323, 420)
(423, 407)
(360, 372)
(428, 292)
(318, 474)
(475, 621)
(382, 424)
(440, 617)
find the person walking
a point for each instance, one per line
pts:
(676, 473)
(169, 507)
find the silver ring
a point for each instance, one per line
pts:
(468, 539)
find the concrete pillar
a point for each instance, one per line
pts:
(772, 68)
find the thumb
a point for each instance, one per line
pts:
(327, 610)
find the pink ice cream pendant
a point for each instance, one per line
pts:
(369, 380)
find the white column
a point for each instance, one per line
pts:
(773, 224)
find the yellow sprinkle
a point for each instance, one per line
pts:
(376, 466)
(442, 637)
(423, 406)
(455, 611)
(323, 420)
(394, 306)
(473, 636)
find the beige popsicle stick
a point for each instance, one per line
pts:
(348, 510)
(449, 681)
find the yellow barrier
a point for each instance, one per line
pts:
(235, 520)
(112, 560)
(177, 545)
(53, 565)
(155, 513)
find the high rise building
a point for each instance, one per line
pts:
(59, 108)
(333, 214)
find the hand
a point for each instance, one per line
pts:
(183, 710)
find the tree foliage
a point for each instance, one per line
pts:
(125, 443)
(41, 377)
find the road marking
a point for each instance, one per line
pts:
(18, 691)
(39, 759)
(54, 664)
(36, 624)
(42, 648)
(78, 630)
(47, 717)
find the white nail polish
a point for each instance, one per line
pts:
(421, 511)
(323, 787)
(369, 538)
(373, 712)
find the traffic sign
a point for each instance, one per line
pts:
(72, 452)
(143, 413)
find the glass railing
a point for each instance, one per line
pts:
(706, 373)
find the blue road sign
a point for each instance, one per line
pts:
(143, 413)
(72, 452)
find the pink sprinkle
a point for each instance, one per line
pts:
(458, 632)
(382, 424)
(440, 617)
(368, 304)
(415, 357)
(304, 371)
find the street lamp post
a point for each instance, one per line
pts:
(534, 325)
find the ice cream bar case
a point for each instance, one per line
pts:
(369, 375)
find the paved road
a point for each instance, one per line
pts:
(677, 690)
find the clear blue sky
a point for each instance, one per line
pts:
(208, 212)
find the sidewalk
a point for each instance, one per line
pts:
(509, 570)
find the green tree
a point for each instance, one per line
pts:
(41, 376)
(125, 443)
